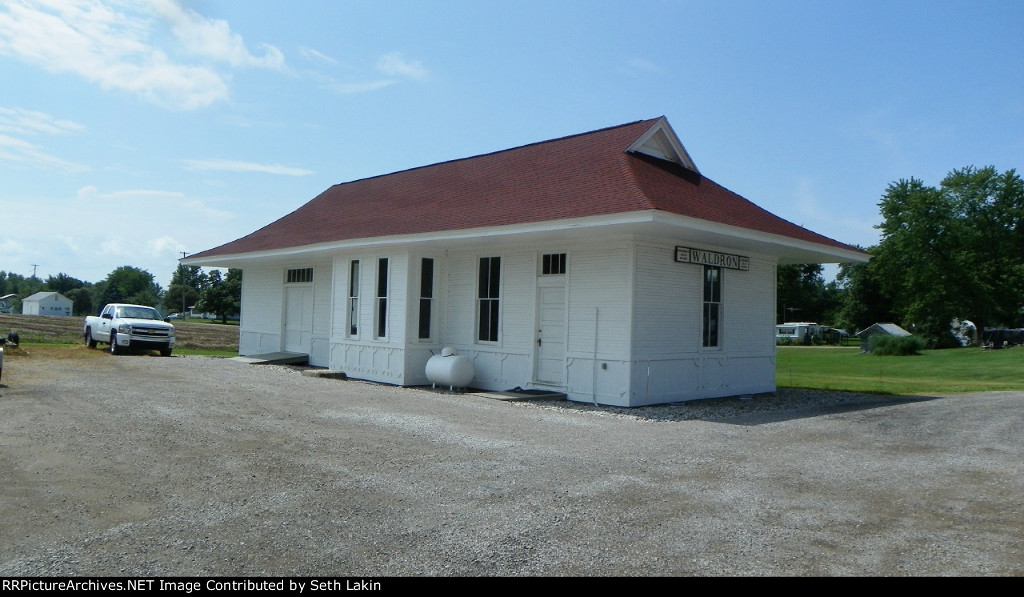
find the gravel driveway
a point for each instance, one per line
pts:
(197, 466)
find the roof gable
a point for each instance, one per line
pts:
(661, 142)
(886, 328)
(634, 168)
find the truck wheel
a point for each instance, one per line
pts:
(114, 348)
(89, 342)
(165, 352)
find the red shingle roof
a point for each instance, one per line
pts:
(589, 174)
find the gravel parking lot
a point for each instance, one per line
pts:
(198, 466)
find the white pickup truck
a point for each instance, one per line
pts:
(129, 327)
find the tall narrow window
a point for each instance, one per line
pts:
(382, 297)
(353, 298)
(488, 286)
(712, 305)
(426, 296)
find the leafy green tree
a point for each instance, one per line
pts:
(222, 296)
(187, 282)
(861, 300)
(128, 284)
(63, 283)
(11, 283)
(953, 252)
(801, 293)
(991, 246)
(81, 301)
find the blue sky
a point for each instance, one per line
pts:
(132, 131)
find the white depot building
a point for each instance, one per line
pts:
(602, 265)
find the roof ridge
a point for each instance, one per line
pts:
(500, 151)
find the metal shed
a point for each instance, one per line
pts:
(890, 329)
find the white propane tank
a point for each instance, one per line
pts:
(450, 369)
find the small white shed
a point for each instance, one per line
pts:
(47, 303)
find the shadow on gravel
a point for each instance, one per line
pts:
(818, 410)
(786, 405)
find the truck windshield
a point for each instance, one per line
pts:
(137, 313)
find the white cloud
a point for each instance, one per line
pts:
(111, 43)
(30, 122)
(10, 247)
(213, 38)
(240, 166)
(91, 192)
(314, 55)
(207, 213)
(350, 88)
(16, 150)
(164, 245)
(188, 208)
(69, 243)
(87, 192)
(21, 152)
(112, 246)
(395, 65)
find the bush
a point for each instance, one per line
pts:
(885, 345)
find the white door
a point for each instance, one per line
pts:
(298, 318)
(551, 334)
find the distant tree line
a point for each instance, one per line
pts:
(952, 252)
(208, 293)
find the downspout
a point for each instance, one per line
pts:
(593, 368)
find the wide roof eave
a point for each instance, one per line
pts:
(645, 222)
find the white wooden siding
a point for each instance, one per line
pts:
(364, 356)
(599, 279)
(506, 363)
(460, 300)
(600, 299)
(323, 294)
(261, 310)
(418, 351)
(633, 320)
(669, 363)
(668, 299)
(749, 324)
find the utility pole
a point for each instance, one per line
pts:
(181, 269)
(34, 266)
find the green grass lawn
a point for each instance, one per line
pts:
(933, 371)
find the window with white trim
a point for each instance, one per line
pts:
(488, 299)
(381, 306)
(712, 314)
(426, 297)
(353, 298)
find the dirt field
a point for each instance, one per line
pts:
(48, 328)
(199, 466)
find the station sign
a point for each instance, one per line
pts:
(703, 257)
